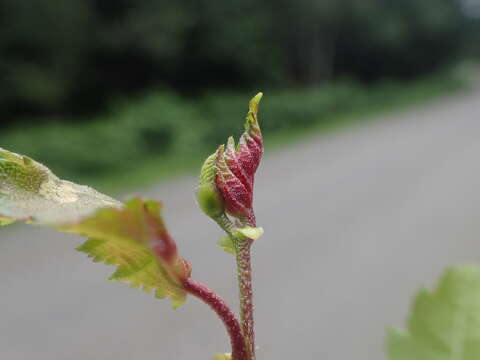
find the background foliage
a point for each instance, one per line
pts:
(146, 78)
(161, 126)
(64, 57)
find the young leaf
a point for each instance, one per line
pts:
(29, 191)
(208, 197)
(133, 236)
(226, 356)
(445, 323)
(6, 221)
(248, 232)
(226, 243)
(135, 239)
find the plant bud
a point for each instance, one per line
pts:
(236, 167)
(208, 197)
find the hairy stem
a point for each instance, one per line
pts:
(239, 349)
(244, 273)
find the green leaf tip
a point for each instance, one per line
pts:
(135, 240)
(444, 323)
(251, 125)
(29, 191)
(254, 102)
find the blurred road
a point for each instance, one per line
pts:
(355, 222)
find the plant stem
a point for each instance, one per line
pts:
(239, 349)
(244, 273)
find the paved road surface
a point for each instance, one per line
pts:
(355, 222)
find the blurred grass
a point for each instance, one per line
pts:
(162, 135)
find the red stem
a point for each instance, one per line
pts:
(239, 349)
(244, 271)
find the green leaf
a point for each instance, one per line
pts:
(207, 172)
(6, 221)
(29, 191)
(251, 125)
(226, 356)
(249, 232)
(445, 322)
(226, 243)
(135, 239)
(132, 236)
(208, 197)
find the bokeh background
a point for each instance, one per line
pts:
(372, 107)
(150, 78)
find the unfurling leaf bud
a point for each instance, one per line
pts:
(208, 196)
(236, 167)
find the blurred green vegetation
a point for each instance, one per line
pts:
(160, 133)
(116, 92)
(73, 57)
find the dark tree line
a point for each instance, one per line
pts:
(64, 56)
